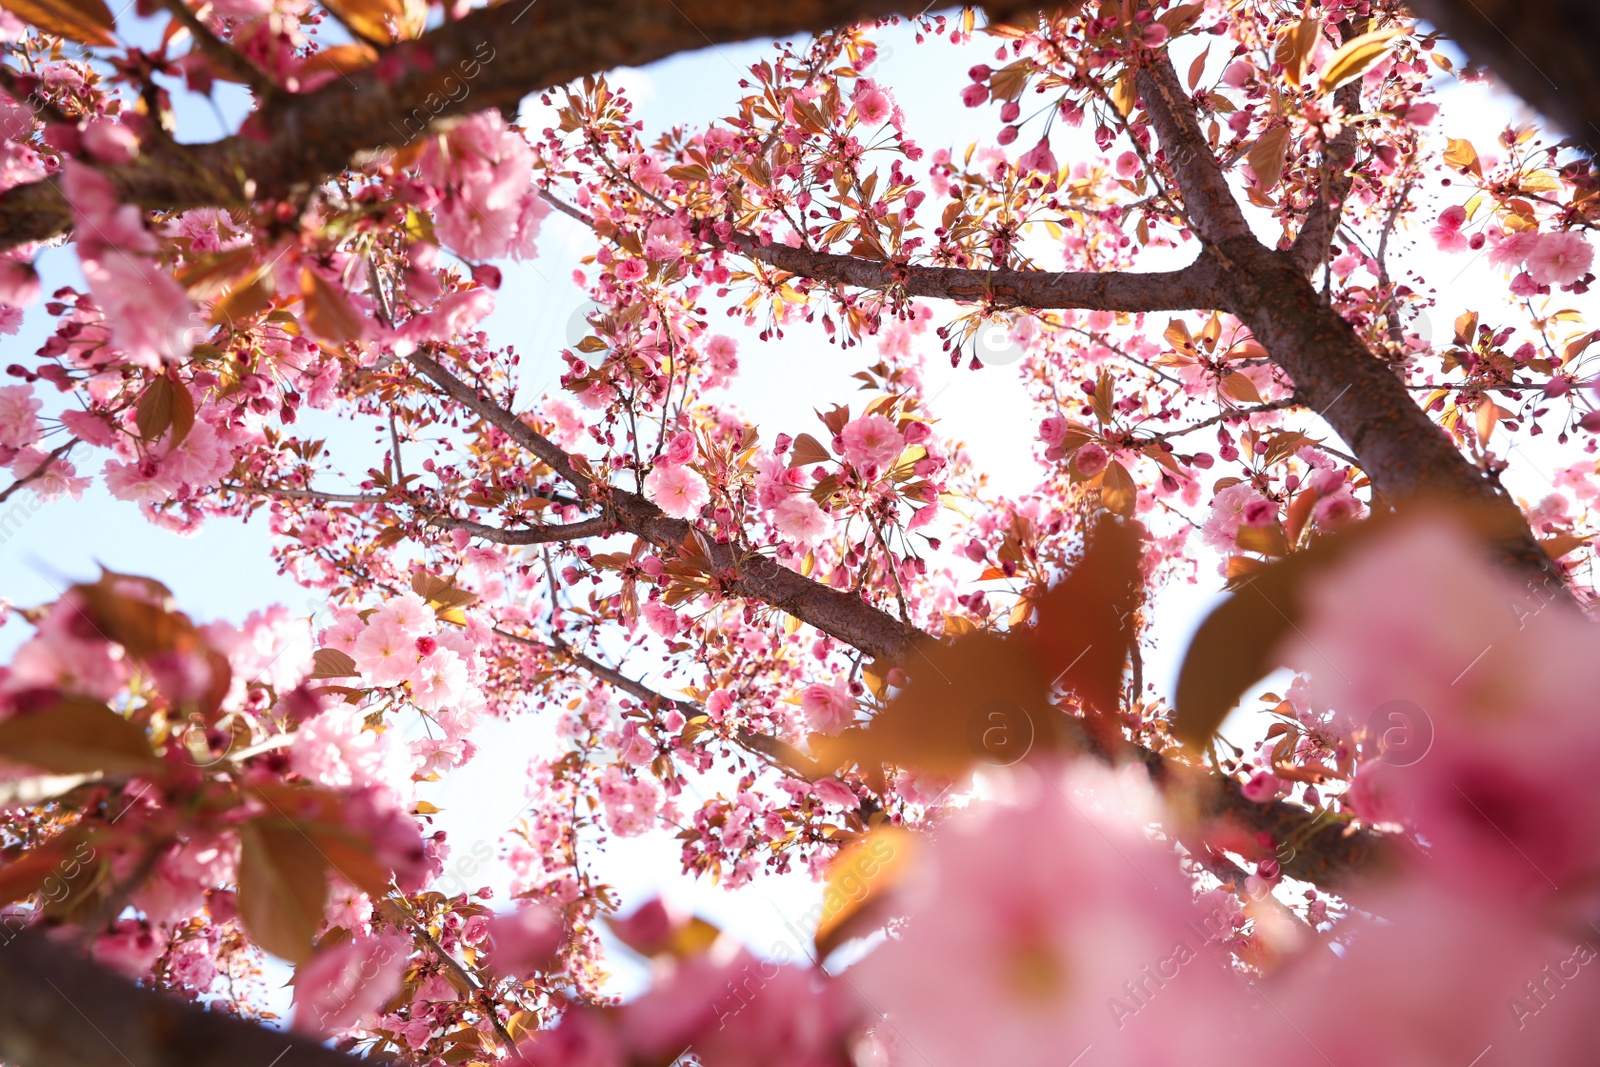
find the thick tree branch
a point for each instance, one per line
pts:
(1543, 50)
(500, 53)
(532, 535)
(1193, 287)
(1207, 200)
(59, 1010)
(1398, 446)
(842, 615)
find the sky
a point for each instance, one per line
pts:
(225, 571)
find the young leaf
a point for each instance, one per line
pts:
(382, 21)
(808, 450)
(1355, 57)
(332, 663)
(1267, 156)
(1087, 620)
(860, 880)
(942, 721)
(154, 411)
(328, 311)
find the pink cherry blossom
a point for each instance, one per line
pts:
(385, 652)
(680, 450)
(630, 802)
(1228, 510)
(484, 171)
(1091, 459)
(1560, 258)
(19, 417)
(802, 522)
(830, 708)
(524, 940)
(871, 103)
(1039, 160)
(336, 750)
(1447, 233)
(835, 795)
(439, 681)
(1092, 944)
(678, 491)
(871, 442)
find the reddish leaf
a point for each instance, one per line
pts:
(283, 888)
(328, 311)
(979, 697)
(76, 735)
(808, 450)
(332, 663)
(85, 21)
(1087, 622)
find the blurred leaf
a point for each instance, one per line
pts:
(145, 625)
(1559, 545)
(381, 21)
(328, 311)
(85, 21)
(350, 857)
(1266, 540)
(861, 879)
(283, 888)
(1087, 622)
(24, 874)
(77, 735)
(937, 723)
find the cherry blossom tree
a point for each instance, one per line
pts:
(873, 668)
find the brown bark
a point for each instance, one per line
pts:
(1399, 447)
(1545, 51)
(59, 1010)
(1195, 286)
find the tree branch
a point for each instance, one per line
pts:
(1398, 446)
(501, 53)
(838, 614)
(1310, 246)
(48, 994)
(1193, 287)
(1207, 200)
(532, 535)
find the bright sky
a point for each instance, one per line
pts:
(226, 571)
